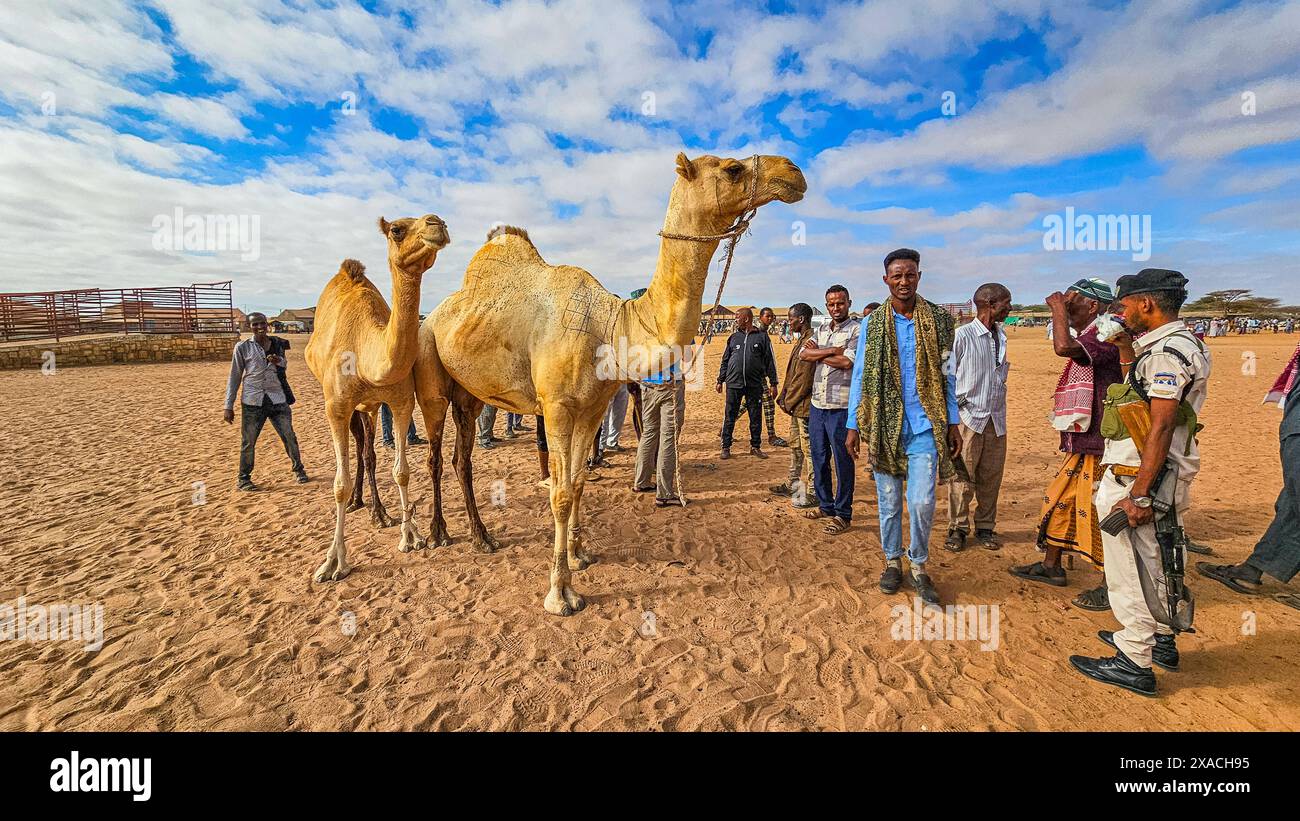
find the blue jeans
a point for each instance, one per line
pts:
(386, 421)
(826, 433)
(922, 470)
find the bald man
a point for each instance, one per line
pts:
(979, 361)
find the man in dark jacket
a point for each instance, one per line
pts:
(1278, 552)
(746, 361)
(796, 401)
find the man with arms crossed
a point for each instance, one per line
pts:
(833, 349)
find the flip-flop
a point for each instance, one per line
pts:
(1216, 572)
(816, 513)
(836, 526)
(1289, 599)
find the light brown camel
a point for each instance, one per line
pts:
(534, 338)
(362, 353)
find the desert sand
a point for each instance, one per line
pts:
(760, 621)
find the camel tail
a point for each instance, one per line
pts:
(354, 269)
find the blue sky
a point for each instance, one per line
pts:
(318, 118)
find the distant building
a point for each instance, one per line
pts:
(295, 319)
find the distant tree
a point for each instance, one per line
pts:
(1222, 302)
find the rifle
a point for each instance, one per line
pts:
(1178, 607)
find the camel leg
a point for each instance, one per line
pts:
(378, 514)
(336, 565)
(465, 410)
(566, 458)
(358, 428)
(577, 557)
(411, 539)
(435, 417)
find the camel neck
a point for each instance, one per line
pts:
(403, 322)
(668, 313)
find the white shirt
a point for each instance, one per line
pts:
(981, 376)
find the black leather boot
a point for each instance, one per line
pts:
(1164, 654)
(1119, 671)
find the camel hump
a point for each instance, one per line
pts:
(354, 269)
(503, 230)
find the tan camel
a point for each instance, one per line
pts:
(362, 353)
(534, 338)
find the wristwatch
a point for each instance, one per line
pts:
(1141, 501)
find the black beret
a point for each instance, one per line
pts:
(1148, 280)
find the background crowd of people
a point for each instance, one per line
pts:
(923, 402)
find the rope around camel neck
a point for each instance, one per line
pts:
(733, 234)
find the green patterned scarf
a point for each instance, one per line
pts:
(880, 412)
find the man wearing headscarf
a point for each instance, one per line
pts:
(1068, 521)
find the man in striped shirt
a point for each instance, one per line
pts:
(979, 361)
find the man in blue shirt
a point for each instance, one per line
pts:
(908, 415)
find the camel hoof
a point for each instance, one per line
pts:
(439, 537)
(354, 505)
(384, 520)
(565, 604)
(575, 601)
(486, 544)
(331, 572)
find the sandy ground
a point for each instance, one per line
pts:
(761, 621)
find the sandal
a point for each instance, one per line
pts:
(835, 527)
(956, 541)
(1096, 599)
(1222, 573)
(649, 489)
(672, 500)
(1192, 547)
(814, 514)
(1038, 572)
(988, 540)
(782, 489)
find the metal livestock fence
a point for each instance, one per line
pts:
(198, 308)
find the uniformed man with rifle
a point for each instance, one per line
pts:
(1150, 425)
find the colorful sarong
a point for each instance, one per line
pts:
(1069, 519)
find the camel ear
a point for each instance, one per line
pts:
(685, 167)
(384, 226)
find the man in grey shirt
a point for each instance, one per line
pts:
(259, 364)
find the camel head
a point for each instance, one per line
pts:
(716, 190)
(413, 244)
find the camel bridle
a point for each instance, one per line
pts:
(739, 228)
